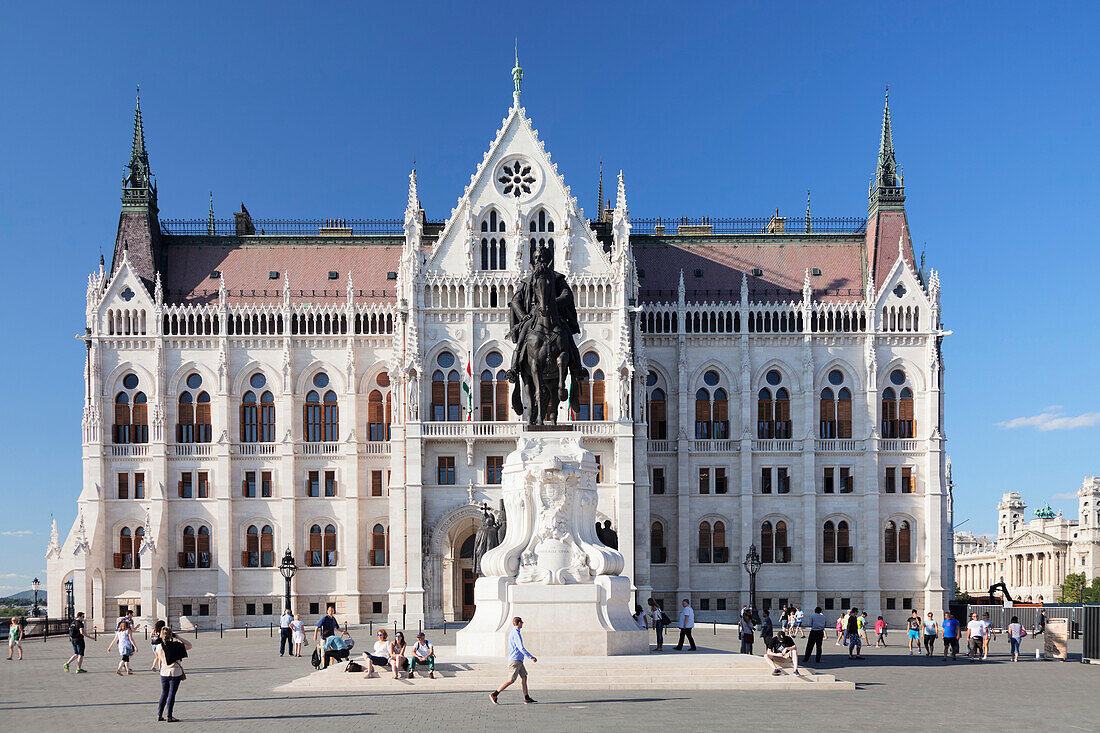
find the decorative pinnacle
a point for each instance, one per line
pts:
(517, 76)
(599, 193)
(413, 204)
(210, 218)
(620, 197)
(886, 144)
(139, 157)
(809, 225)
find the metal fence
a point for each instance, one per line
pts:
(754, 225)
(1090, 629)
(1001, 616)
(38, 627)
(286, 227)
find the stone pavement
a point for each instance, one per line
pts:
(231, 682)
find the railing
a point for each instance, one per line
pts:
(775, 446)
(133, 450)
(190, 449)
(510, 429)
(286, 227)
(712, 446)
(254, 449)
(750, 225)
(321, 449)
(660, 446)
(378, 448)
(838, 445)
(898, 446)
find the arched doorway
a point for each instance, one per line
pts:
(465, 577)
(448, 568)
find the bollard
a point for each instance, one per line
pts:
(371, 629)
(444, 627)
(715, 628)
(419, 627)
(147, 633)
(395, 627)
(246, 630)
(95, 633)
(1038, 655)
(196, 633)
(270, 629)
(221, 631)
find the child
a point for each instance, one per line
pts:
(880, 630)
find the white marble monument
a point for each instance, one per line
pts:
(551, 570)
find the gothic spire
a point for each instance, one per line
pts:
(599, 195)
(140, 176)
(210, 220)
(887, 184)
(809, 223)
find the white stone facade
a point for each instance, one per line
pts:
(424, 484)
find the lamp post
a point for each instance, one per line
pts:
(69, 599)
(287, 568)
(35, 585)
(752, 567)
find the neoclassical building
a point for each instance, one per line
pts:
(338, 388)
(1033, 556)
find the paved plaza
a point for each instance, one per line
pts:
(231, 682)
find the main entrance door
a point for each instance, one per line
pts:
(466, 568)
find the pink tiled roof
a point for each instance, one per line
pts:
(783, 265)
(246, 268)
(883, 232)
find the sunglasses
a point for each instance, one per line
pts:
(378, 635)
(400, 636)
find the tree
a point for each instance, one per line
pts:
(1074, 589)
(960, 595)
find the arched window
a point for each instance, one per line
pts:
(828, 543)
(445, 390)
(257, 419)
(139, 538)
(378, 416)
(836, 408)
(782, 549)
(313, 416)
(316, 547)
(127, 554)
(131, 413)
(250, 418)
(721, 552)
(773, 542)
(890, 537)
(897, 408)
(250, 558)
(493, 247)
(711, 409)
(541, 225)
(331, 418)
(193, 414)
(704, 542)
(843, 542)
(494, 389)
(196, 547)
(767, 543)
(267, 417)
(702, 414)
(593, 399)
(658, 415)
(904, 542)
(330, 546)
(379, 546)
(773, 415)
(782, 413)
(658, 553)
(267, 547)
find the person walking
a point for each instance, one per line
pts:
(660, 621)
(840, 628)
(124, 640)
(799, 618)
(423, 653)
(687, 623)
(784, 619)
(171, 650)
(863, 628)
(975, 637)
(855, 643)
(15, 638)
(1016, 634)
(989, 634)
(298, 634)
(880, 632)
(950, 636)
(746, 628)
(328, 624)
(1040, 621)
(913, 625)
(285, 634)
(931, 633)
(77, 637)
(516, 654)
(817, 634)
(767, 629)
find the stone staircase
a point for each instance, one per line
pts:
(700, 670)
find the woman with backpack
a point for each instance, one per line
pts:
(660, 620)
(170, 652)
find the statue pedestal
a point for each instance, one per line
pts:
(551, 569)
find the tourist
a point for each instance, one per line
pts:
(950, 636)
(784, 619)
(77, 637)
(862, 623)
(767, 629)
(975, 637)
(15, 638)
(171, 650)
(398, 661)
(516, 654)
(855, 643)
(880, 632)
(989, 634)
(817, 634)
(1040, 620)
(782, 649)
(640, 618)
(840, 629)
(931, 632)
(746, 627)
(158, 627)
(285, 634)
(423, 653)
(124, 639)
(660, 621)
(687, 623)
(913, 624)
(799, 617)
(381, 655)
(328, 625)
(298, 634)
(336, 648)
(128, 619)
(1016, 634)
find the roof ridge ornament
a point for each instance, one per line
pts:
(517, 77)
(887, 183)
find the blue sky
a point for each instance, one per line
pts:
(723, 109)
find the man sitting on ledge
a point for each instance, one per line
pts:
(336, 648)
(423, 653)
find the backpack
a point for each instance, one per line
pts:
(353, 667)
(74, 631)
(315, 660)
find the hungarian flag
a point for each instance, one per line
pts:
(468, 388)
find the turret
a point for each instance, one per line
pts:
(138, 224)
(1010, 514)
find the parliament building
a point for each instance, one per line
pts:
(337, 388)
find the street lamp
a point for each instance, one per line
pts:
(752, 567)
(288, 568)
(35, 585)
(69, 598)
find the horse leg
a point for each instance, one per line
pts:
(563, 370)
(532, 405)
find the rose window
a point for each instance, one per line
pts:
(516, 178)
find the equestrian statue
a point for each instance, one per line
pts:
(542, 322)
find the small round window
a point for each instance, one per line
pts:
(774, 377)
(836, 377)
(494, 359)
(446, 360)
(383, 379)
(711, 378)
(258, 381)
(590, 359)
(130, 381)
(651, 379)
(897, 377)
(194, 381)
(320, 380)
